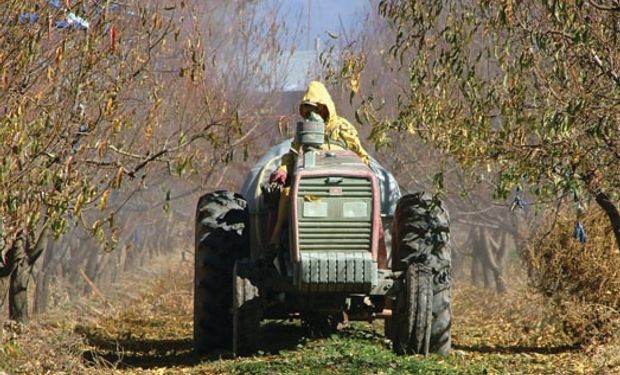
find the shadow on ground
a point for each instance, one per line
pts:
(517, 349)
(125, 351)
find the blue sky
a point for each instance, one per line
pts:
(337, 17)
(325, 16)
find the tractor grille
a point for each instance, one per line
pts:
(334, 223)
(335, 231)
(351, 187)
(327, 235)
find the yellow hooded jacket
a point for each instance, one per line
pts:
(336, 128)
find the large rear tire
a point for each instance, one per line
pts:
(422, 318)
(247, 307)
(221, 239)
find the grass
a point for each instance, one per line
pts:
(356, 350)
(148, 330)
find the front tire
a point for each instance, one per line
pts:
(221, 239)
(422, 317)
(413, 313)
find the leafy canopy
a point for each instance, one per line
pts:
(528, 88)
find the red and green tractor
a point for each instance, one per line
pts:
(353, 249)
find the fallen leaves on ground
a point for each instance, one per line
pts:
(151, 331)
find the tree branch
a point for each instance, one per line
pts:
(604, 69)
(141, 166)
(611, 8)
(612, 213)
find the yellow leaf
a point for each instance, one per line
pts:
(148, 131)
(103, 201)
(101, 148)
(355, 85)
(59, 55)
(109, 106)
(78, 203)
(116, 125)
(119, 177)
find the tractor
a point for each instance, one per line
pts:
(353, 249)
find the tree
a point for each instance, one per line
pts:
(528, 89)
(67, 136)
(100, 95)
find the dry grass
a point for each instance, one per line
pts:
(153, 330)
(144, 327)
(98, 334)
(514, 333)
(582, 281)
(41, 347)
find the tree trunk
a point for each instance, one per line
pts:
(18, 281)
(22, 257)
(612, 214)
(4, 290)
(477, 267)
(18, 291)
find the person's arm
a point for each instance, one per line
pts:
(288, 160)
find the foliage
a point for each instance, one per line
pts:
(65, 126)
(85, 110)
(581, 280)
(144, 326)
(140, 92)
(527, 89)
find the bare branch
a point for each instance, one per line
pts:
(608, 8)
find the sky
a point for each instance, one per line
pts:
(325, 16)
(315, 18)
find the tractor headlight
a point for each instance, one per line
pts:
(355, 209)
(315, 209)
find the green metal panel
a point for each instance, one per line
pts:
(334, 214)
(335, 235)
(334, 271)
(350, 237)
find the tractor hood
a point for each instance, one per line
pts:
(331, 160)
(259, 174)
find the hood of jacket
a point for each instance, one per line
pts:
(317, 94)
